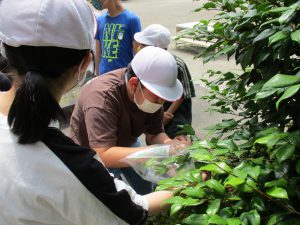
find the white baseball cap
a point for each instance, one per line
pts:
(57, 23)
(154, 35)
(156, 68)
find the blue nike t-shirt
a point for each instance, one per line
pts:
(116, 35)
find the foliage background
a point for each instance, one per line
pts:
(253, 159)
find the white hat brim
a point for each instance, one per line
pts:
(139, 37)
(170, 94)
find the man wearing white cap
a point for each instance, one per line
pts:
(179, 112)
(113, 110)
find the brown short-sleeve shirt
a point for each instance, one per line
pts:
(104, 116)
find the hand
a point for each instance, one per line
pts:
(167, 117)
(205, 175)
(176, 147)
(184, 139)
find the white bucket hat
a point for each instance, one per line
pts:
(57, 23)
(154, 35)
(157, 70)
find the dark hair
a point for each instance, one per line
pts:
(4, 68)
(34, 106)
(130, 72)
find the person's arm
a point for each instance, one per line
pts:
(175, 105)
(168, 114)
(160, 138)
(156, 201)
(111, 156)
(98, 56)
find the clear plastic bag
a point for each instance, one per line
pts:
(159, 162)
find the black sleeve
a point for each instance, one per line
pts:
(94, 176)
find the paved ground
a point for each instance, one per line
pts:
(172, 12)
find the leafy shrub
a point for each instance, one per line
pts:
(253, 159)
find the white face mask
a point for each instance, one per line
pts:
(147, 106)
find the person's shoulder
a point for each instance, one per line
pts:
(101, 17)
(105, 81)
(130, 14)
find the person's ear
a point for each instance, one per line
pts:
(133, 82)
(86, 61)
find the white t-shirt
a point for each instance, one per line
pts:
(58, 182)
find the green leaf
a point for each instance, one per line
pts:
(294, 137)
(192, 202)
(240, 173)
(296, 36)
(213, 207)
(270, 22)
(251, 183)
(255, 88)
(265, 34)
(234, 221)
(298, 166)
(196, 219)
(267, 131)
(278, 9)
(212, 168)
(286, 16)
(274, 219)
(227, 124)
(219, 152)
(187, 129)
(175, 200)
(280, 35)
(281, 80)
(229, 144)
(276, 183)
(254, 217)
(248, 186)
(258, 160)
(209, 5)
(257, 203)
(271, 139)
(288, 93)
(251, 217)
(253, 171)
(284, 152)
(194, 192)
(264, 94)
(226, 212)
(203, 144)
(201, 155)
(215, 185)
(233, 181)
(215, 219)
(224, 167)
(277, 192)
(289, 222)
(175, 208)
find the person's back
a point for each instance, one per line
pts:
(41, 183)
(45, 177)
(114, 38)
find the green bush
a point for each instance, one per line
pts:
(253, 159)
